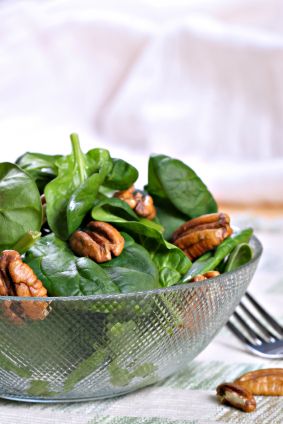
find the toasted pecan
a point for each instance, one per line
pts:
(264, 382)
(202, 234)
(99, 241)
(18, 279)
(127, 196)
(205, 276)
(142, 203)
(237, 396)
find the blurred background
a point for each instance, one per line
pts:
(200, 80)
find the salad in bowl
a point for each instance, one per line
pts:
(106, 286)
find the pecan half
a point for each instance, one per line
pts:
(265, 382)
(205, 276)
(127, 196)
(141, 202)
(236, 396)
(202, 234)
(145, 206)
(18, 279)
(98, 241)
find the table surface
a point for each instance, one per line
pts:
(189, 397)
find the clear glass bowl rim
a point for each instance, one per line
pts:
(258, 248)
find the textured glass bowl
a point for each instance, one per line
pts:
(96, 347)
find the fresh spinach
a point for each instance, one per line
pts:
(41, 168)
(241, 255)
(122, 175)
(112, 210)
(179, 188)
(168, 216)
(83, 197)
(63, 273)
(117, 212)
(171, 262)
(20, 205)
(85, 368)
(71, 195)
(121, 371)
(133, 270)
(8, 365)
(40, 388)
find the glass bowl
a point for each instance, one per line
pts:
(95, 347)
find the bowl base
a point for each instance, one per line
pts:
(65, 400)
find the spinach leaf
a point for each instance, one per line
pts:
(133, 270)
(199, 265)
(41, 168)
(8, 365)
(83, 197)
(171, 262)
(71, 195)
(123, 370)
(20, 205)
(85, 368)
(40, 388)
(113, 210)
(122, 175)
(173, 180)
(118, 212)
(63, 273)
(241, 255)
(168, 216)
(58, 193)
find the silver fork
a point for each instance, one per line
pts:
(258, 330)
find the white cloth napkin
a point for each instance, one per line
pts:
(197, 80)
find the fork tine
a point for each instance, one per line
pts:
(262, 328)
(265, 314)
(237, 333)
(249, 330)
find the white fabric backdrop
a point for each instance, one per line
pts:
(201, 80)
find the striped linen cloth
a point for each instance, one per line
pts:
(187, 397)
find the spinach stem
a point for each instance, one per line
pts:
(78, 156)
(26, 241)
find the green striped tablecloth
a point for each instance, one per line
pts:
(188, 397)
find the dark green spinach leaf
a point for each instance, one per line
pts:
(71, 195)
(20, 205)
(171, 262)
(173, 180)
(63, 273)
(42, 168)
(133, 270)
(168, 216)
(241, 255)
(84, 196)
(122, 175)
